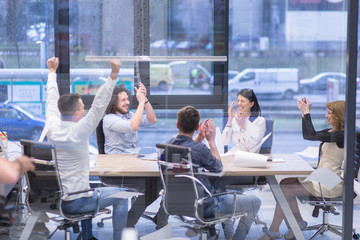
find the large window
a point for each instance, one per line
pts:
(284, 50)
(26, 41)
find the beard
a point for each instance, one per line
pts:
(121, 111)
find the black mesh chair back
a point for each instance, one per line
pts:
(100, 137)
(43, 187)
(46, 182)
(180, 193)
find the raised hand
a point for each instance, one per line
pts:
(52, 64)
(241, 118)
(231, 110)
(304, 105)
(141, 93)
(115, 65)
(210, 130)
(202, 129)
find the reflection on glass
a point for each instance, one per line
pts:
(100, 28)
(26, 41)
(174, 33)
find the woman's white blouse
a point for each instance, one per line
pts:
(247, 139)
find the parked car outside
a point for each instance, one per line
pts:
(282, 82)
(319, 83)
(232, 74)
(18, 123)
(163, 43)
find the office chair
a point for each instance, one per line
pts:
(328, 205)
(266, 146)
(184, 195)
(47, 176)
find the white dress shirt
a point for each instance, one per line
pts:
(246, 139)
(72, 138)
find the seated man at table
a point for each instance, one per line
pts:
(69, 130)
(188, 119)
(121, 137)
(121, 126)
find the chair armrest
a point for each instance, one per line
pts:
(231, 216)
(44, 162)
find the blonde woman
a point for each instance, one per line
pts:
(330, 156)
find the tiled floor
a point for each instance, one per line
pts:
(145, 226)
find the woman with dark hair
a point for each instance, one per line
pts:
(331, 156)
(245, 127)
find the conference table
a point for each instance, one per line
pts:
(129, 165)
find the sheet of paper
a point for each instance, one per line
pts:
(310, 152)
(150, 156)
(261, 142)
(247, 159)
(124, 194)
(324, 176)
(277, 160)
(92, 164)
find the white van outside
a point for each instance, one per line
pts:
(266, 81)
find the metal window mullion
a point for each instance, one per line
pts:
(62, 48)
(350, 115)
(141, 44)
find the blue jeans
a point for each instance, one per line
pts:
(88, 204)
(244, 203)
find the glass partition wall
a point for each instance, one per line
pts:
(199, 53)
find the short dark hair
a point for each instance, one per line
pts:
(68, 104)
(250, 95)
(112, 107)
(188, 119)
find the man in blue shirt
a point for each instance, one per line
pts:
(121, 137)
(121, 126)
(188, 122)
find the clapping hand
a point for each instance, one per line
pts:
(141, 93)
(304, 105)
(231, 110)
(240, 118)
(210, 130)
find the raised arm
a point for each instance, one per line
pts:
(150, 114)
(52, 111)
(141, 98)
(101, 100)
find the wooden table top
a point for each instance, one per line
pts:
(132, 165)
